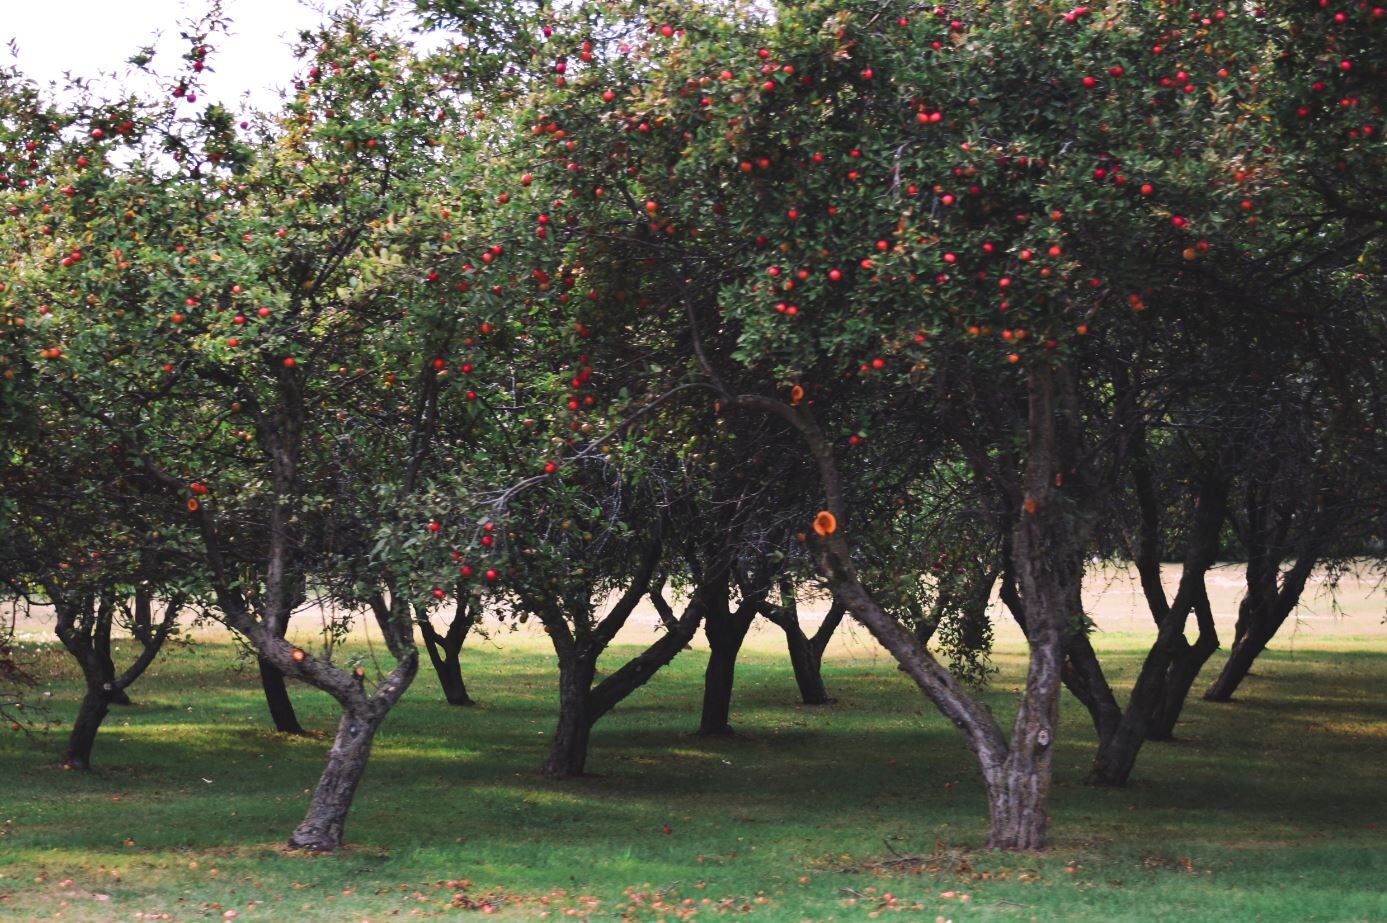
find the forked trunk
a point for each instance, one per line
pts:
(1184, 670)
(1048, 555)
(568, 750)
(445, 648)
(449, 670)
(806, 653)
(1049, 537)
(1261, 614)
(362, 715)
(1172, 664)
(84, 627)
(447, 663)
(1082, 673)
(807, 663)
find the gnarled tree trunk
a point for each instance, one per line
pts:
(580, 644)
(362, 715)
(1082, 674)
(1049, 538)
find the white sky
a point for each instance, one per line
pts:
(91, 36)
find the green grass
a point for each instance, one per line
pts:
(1273, 808)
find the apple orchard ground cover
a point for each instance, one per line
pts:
(1021, 222)
(1266, 809)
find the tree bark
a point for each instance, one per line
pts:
(1186, 664)
(806, 653)
(321, 830)
(1050, 572)
(282, 714)
(84, 627)
(445, 649)
(1171, 665)
(1048, 544)
(1082, 674)
(725, 629)
(580, 640)
(1049, 537)
(568, 750)
(1244, 652)
(95, 705)
(276, 690)
(362, 715)
(1261, 614)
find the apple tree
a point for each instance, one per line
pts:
(863, 195)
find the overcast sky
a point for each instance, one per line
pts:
(90, 36)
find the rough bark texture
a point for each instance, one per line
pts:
(1082, 673)
(1049, 538)
(1048, 546)
(362, 715)
(568, 750)
(445, 649)
(259, 608)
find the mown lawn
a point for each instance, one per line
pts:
(1273, 808)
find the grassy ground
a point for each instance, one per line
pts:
(1274, 808)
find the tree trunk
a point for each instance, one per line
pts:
(1018, 793)
(1184, 670)
(725, 631)
(362, 715)
(806, 653)
(1239, 664)
(449, 670)
(1261, 614)
(84, 627)
(1186, 664)
(277, 698)
(807, 663)
(321, 830)
(277, 692)
(1048, 553)
(1050, 534)
(1082, 674)
(95, 704)
(568, 750)
(445, 650)
(1172, 664)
